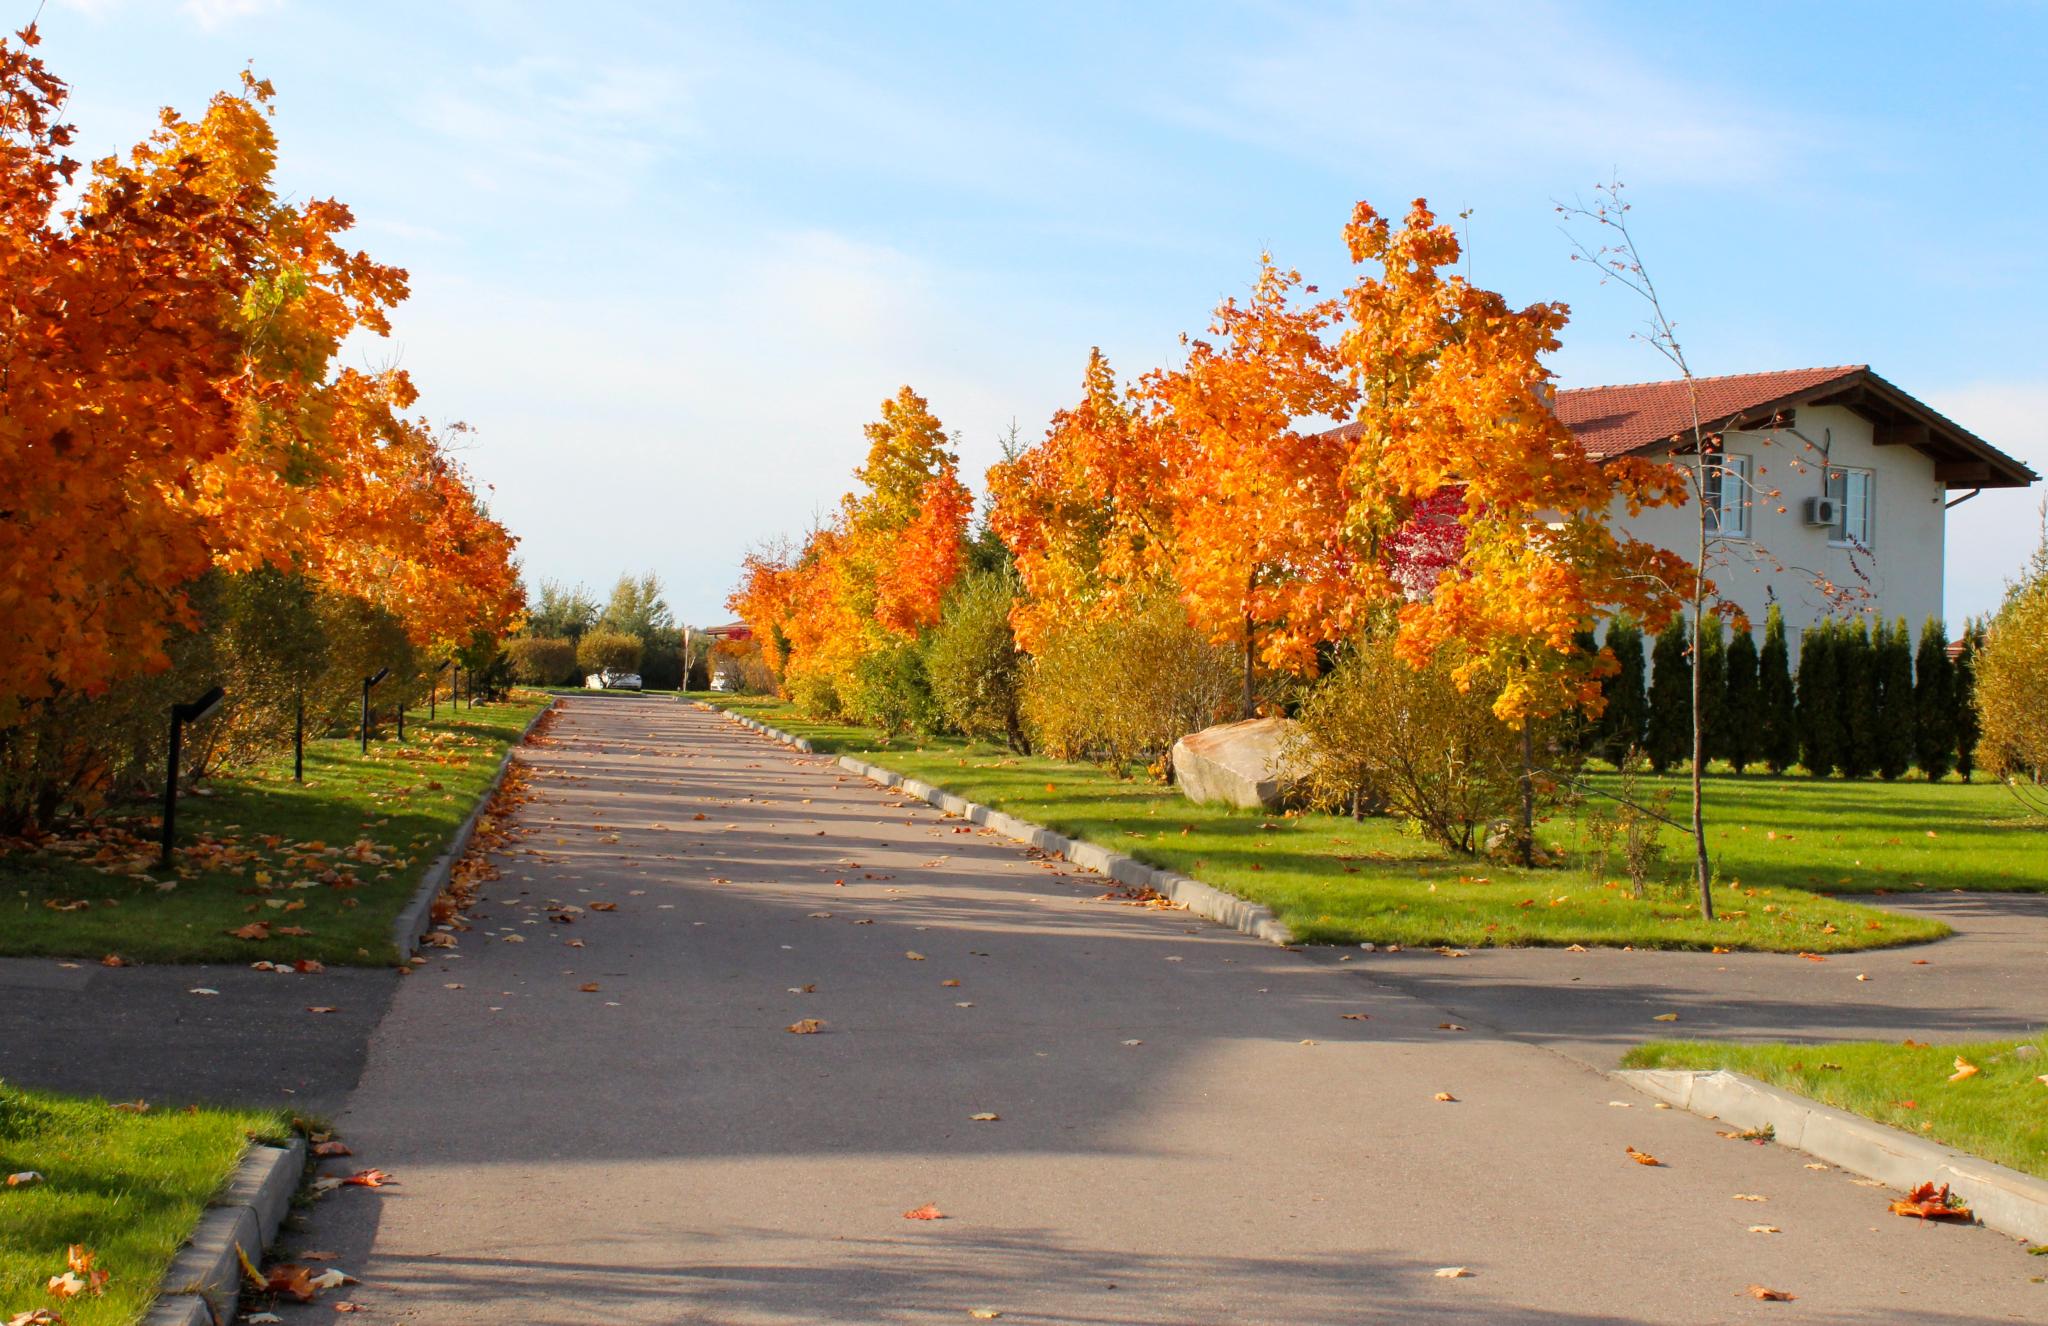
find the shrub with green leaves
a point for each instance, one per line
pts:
(1934, 697)
(1667, 736)
(971, 657)
(1777, 701)
(608, 651)
(542, 660)
(890, 692)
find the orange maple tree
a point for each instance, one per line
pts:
(1455, 398)
(1257, 500)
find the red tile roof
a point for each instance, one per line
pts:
(1612, 421)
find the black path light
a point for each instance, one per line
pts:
(434, 686)
(401, 713)
(299, 740)
(181, 714)
(455, 685)
(368, 682)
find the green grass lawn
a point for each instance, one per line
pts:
(335, 858)
(129, 1187)
(1867, 836)
(1333, 880)
(2000, 1113)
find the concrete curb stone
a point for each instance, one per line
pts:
(204, 1281)
(2002, 1199)
(417, 918)
(1203, 900)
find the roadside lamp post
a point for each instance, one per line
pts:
(368, 682)
(434, 686)
(181, 714)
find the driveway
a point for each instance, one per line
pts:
(1190, 1129)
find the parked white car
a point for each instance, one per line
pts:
(725, 681)
(612, 681)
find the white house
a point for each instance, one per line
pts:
(1836, 492)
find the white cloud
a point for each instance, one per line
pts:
(217, 13)
(1524, 90)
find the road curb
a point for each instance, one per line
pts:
(204, 1282)
(418, 917)
(2002, 1199)
(1203, 900)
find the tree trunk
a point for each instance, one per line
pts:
(1703, 868)
(1526, 831)
(1249, 710)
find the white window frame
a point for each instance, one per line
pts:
(1726, 477)
(1856, 524)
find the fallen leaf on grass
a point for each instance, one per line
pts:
(1964, 1069)
(253, 930)
(36, 1317)
(1452, 1272)
(805, 1027)
(133, 1106)
(1643, 1157)
(1770, 1295)
(1927, 1202)
(24, 1178)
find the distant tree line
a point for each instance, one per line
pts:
(569, 635)
(1864, 699)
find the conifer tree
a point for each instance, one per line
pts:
(1893, 669)
(1968, 725)
(1820, 739)
(1624, 724)
(1777, 704)
(1934, 697)
(1712, 659)
(1856, 698)
(1667, 738)
(1741, 724)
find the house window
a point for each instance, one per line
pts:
(1855, 494)
(1727, 495)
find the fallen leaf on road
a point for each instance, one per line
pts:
(331, 1149)
(1964, 1068)
(1449, 1026)
(588, 987)
(984, 1118)
(805, 1027)
(804, 989)
(1813, 957)
(1770, 1295)
(202, 990)
(1446, 1097)
(604, 907)
(1765, 1229)
(1814, 1164)
(1643, 1157)
(983, 1314)
(1750, 1197)
(1665, 1017)
(332, 1279)
(1134, 1042)
(914, 956)
(950, 984)
(1355, 1017)
(925, 1212)
(1926, 1202)
(1452, 1272)
(368, 1178)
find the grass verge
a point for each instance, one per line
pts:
(129, 1187)
(1999, 1113)
(1334, 880)
(320, 868)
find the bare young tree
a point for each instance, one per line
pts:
(1710, 480)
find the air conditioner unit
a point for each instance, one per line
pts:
(1823, 511)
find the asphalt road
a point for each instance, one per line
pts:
(1190, 1130)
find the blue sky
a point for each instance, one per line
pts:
(668, 258)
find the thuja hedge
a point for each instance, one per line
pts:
(1863, 700)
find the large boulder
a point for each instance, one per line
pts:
(1240, 764)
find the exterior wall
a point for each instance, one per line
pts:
(1900, 574)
